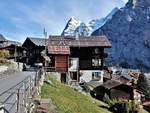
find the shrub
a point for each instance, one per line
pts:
(4, 62)
(142, 85)
(109, 101)
(121, 105)
(4, 53)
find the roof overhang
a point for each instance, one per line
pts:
(65, 50)
(90, 41)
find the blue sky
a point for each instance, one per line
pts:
(25, 18)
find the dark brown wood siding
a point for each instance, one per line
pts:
(61, 63)
(86, 55)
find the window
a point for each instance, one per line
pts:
(96, 62)
(70, 62)
(96, 75)
(73, 64)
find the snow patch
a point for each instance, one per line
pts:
(129, 18)
(76, 26)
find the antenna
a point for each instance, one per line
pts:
(45, 36)
(45, 33)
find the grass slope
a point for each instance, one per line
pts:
(69, 101)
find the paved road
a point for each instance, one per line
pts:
(9, 86)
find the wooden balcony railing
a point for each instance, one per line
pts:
(49, 69)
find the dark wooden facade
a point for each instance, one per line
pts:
(87, 56)
(89, 51)
(15, 52)
(114, 89)
(34, 47)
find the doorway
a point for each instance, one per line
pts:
(73, 75)
(63, 78)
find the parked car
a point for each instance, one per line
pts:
(38, 65)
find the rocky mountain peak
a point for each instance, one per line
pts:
(138, 3)
(129, 32)
(71, 26)
(75, 26)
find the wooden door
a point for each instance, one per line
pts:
(61, 63)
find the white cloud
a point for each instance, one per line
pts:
(27, 19)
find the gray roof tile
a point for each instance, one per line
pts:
(38, 41)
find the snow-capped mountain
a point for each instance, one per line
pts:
(127, 28)
(129, 33)
(95, 24)
(75, 26)
(71, 26)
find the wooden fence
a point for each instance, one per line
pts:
(19, 98)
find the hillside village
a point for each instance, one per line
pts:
(79, 61)
(83, 64)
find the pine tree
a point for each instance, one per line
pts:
(142, 85)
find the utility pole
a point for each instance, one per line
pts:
(45, 36)
(15, 53)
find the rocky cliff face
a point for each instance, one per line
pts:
(129, 33)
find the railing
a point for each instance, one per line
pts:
(18, 98)
(49, 69)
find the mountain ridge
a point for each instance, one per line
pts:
(128, 30)
(75, 26)
(129, 33)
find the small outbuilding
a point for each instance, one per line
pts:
(116, 89)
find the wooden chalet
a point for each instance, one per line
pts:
(70, 54)
(15, 48)
(116, 89)
(16, 52)
(35, 50)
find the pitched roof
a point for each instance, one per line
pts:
(111, 84)
(93, 84)
(134, 73)
(9, 42)
(12, 46)
(123, 79)
(81, 41)
(38, 41)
